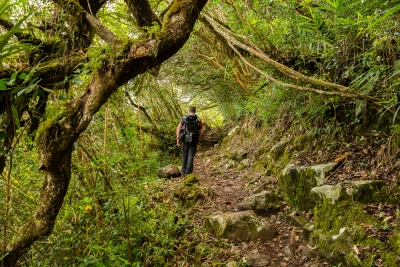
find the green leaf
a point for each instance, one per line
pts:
(28, 77)
(2, 257)
(12, 80)
(16, 116)
(39, 92)
(382, 18)
(3, 83)
(23, 91)
(3, 135)
(16, 90)
(23, 76)
(395, 115)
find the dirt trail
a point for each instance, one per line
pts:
(228, 188)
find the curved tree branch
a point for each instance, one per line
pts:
(233, 43)
(308, 89)
(142, 13)
(101, 30)
(254, 50)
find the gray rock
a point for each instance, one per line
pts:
(243, 225)
(257, 260)
(289, 250)
(264, 202)
(229, 165)
(323, 170)
(244, 164)
(238, 154)
(296, 220)
(232, 264)
(169, 171)
(309, 252)
(362, 191)
(277, 150)
(331, 192)
(261, 188)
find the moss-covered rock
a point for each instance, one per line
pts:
(337, 247)
(395, 242)
(190, 193)
(367, 191)
(238, 154)
(297, 183)
(265, 202)
(243, 225)
(278, 149)
(190, 179)
(341, 229)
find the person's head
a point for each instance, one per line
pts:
(192, 109)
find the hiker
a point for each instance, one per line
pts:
(188, 133)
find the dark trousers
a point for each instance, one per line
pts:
(188, 152)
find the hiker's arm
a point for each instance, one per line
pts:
(178, 131)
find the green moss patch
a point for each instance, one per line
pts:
(297, 184)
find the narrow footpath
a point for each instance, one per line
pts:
(227, 188)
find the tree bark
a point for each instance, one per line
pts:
(56, 137)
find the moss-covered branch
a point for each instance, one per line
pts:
(142, 13)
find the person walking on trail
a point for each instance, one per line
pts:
(188, 133)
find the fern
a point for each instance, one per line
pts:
(366, 82)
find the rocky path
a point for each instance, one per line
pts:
(227, 187)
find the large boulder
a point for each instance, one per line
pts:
(365, 191)
(265, 202)
(169, 171)
(297, 182)
(342, 230)
(242, 225)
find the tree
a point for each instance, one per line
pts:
(161, 36)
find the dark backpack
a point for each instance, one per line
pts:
(190, 128)
(191, 124)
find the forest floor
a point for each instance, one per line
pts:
(229, 187)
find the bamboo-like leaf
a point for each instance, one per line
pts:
(382, 18)
(395, 115)
(16, 116)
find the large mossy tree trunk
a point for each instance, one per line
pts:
(57, 136)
